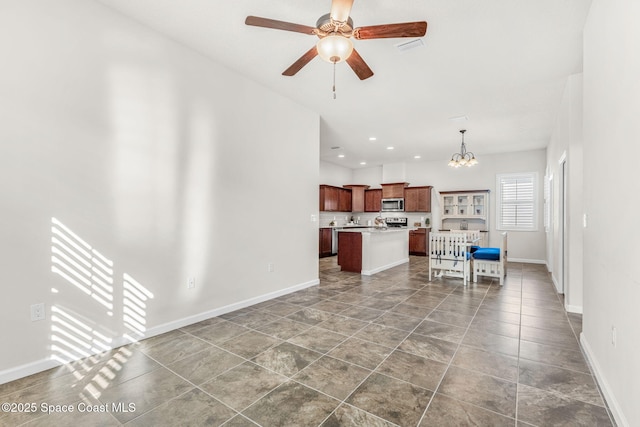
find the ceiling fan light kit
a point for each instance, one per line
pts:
(335, 31)
(464, 157)
(334, 48)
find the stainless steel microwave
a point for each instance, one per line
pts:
(392, 205)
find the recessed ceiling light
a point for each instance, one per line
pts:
(372, 138)
(363, 163)
(389, 148)
(341, 155)
(417, 157)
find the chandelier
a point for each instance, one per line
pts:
(464, 157)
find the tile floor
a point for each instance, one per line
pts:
(392, 349)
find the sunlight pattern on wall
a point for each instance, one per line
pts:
(81, 344)
(74, 337)
(134, 310)
(81, 265)
(86, 350)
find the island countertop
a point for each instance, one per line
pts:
(376, 229)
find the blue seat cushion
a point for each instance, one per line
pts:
(489, 254)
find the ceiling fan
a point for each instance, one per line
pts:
(334, 31)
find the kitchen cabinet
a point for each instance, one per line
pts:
(329, 198)
(334, 199)
(371, 251)
(394, 190)
(325, 242)
(373, 200)
(418, 241)
(417, 199)
(344, 202)
(350, 252)
(357, 197)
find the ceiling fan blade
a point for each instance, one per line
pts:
(358, 66)
(340, 10)
(301, 62)
(406, 29)
(256, 21)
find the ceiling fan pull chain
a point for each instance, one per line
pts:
(334, 79)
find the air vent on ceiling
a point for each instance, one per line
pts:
(458, 119)
(402, 47)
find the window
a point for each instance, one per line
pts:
(517, 202)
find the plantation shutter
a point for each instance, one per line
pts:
(517, 202)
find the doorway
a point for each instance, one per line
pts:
(562, 223)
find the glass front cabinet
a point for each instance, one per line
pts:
(466, 210)
(465, 205)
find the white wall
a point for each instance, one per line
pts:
(611, 251)
(335, 175)
(527, 246)
(566, 143)
(371, 176)
(165, 163)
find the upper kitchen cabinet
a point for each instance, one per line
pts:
(417, 199)
(344, 204)
(357, 197)
(394, 191)
(329, 198)
(373, 200)
(334, 199)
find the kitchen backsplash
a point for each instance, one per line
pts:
(342, 218)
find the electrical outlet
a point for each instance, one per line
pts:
(37, 312)
(313, 218)
(270, 267)
(191, 282)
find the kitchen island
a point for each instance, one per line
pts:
(371, 250)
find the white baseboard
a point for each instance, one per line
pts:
(573, 308)
(31, 368)
(179, 323)
(27, 369)
(610, 398)
(555, 282)
(526, 260)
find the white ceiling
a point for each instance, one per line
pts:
(501, 63)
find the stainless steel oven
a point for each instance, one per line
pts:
(396, 222)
